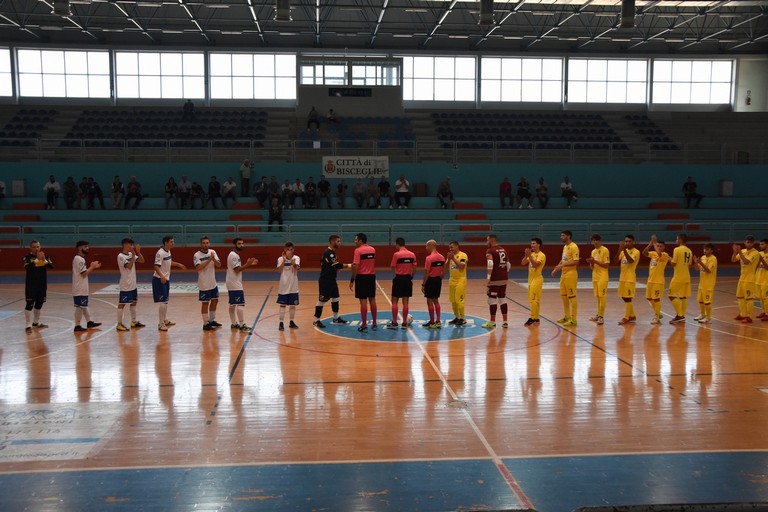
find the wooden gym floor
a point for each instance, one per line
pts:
(546, 418)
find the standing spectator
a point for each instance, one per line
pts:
(36, 265)
(161, 281)
(498, 266)
(94, 193)
(707, 265)
(116, 192)
(245, 178)
(228, 191)
(457, 261)
(298, 193)
(70, 194)
(654, 289)
(431, 286)
(363, 281)
(505, 192)
(385, 190)
(310, 193)
(403, 264)
(358, 192)
(535, 260)
(134, 192)
(51, 189)
(690, 192)
(402, 191)
(286, 194)
(128, 294)
(524, 192)
(327, 285)
(444, 193)
(196, 192)
(372, 193)
(313, 118)
(628, 258)
(188, 111)
(214, 191)
(599, 261)
(171, 191)
(288, 264)
(274, 190)
(206, 261)
(569, 279)
(680, 284)
(185, 192)
(332, 117)
(80, 287)
(234, 284)
(341, 193)
(2, 189)
(542, 193)
(324, 191)
(275, 214)
(261, 191)
(566, 190)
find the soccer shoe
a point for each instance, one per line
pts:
(600, 320)
(746, 320)
(705, 320)
(427, 325)
(28, 329)
(461, 323)
(570, 323)
(698, 317)
(505, 325)
(761, 315)
(633, 319)
(121, 327)
(594, 318)
(453, 322)
(214, 323)
(93, 325)
(245, 329)
(339, 320)
(39, 325)
(739, 317)
(80, 328)
(374, 327)
(162, 327)
(678, 320)
(563, 320)
(362, 329)
(392, 325)
(529, 322)
(624, 321)
(489, 325)
(234, 327)
(137, 325)
(292, 325)
(208, 327)
(169, 323)
(436, 325)
(281, 327)
(656, 321)
(318, 324)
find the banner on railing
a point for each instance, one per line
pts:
(355, 166)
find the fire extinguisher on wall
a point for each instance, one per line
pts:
(748, 101)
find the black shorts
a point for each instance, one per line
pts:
(329, 289)
(432, 287)
(35, 294)
(402, 286)
(365, 286)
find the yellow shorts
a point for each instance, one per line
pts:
(745, 290)
(627, 289)
(704, 295)
(600, 288)
(457, 292)
(654, 291)
(681, 290)
(568, 284)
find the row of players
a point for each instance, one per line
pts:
(753, 281)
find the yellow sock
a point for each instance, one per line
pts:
(750, 307)
(460, 309)
(742, 307)
(657, 308)
(683, 306)
(601, 306)
(574, 307)
(535, 307)
(566, 306)
(628, 310)
(708, 311)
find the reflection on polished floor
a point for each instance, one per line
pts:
(547, 418)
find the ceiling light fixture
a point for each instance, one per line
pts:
(283, 10)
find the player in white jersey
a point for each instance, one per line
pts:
(206, 262)
(235, 268)
(161, 281)
(126, 262)
(288, 290)
(80, 271)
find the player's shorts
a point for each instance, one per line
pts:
(236, 297)
(35, 294)
(679, 289)
(497, 291)
(704, 295)
(534, 291)
(81, 301)
(128, 297)
(365, 286)
(161, 292)
(744, 290)
(457, 291)
(329, 289)
(569, 283)
(402, 286)
(433, 287)
(654, 291)
(600, 288)
(288, 299)
(208, 295)
(627, 289)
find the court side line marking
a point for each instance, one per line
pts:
(248, 338)
(506, 474)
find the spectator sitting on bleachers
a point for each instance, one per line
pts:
(298, 192)
(275, 214)
(310, 193)
(82, 193)
(94, 193)
(690, 192)
(286, 194)
(116, 192)
(385, 190)
(371, 193)
(185, 192)
(171, 191)
(505, 192)
(358, 192)
(51, 189)
(332, 117)
(313, 118)
(228, 191)
(196, 192)
(133, 192)
(524, 192)
(274, 190)
(324, 191)
(70, 194)
(402, 191)
(566, 190)
(214, 191)
(261, 192)
(341, 193)
(2, 189)
(542, 193)
(444, 193)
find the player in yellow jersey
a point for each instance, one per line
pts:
(748, 258)
(707, 266)
(654, 290)
(535, 259)
(457, 283)
(628, 257)
(599, 262)
(680, 285)
(761, 279)
(569, 279)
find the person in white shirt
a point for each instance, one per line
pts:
(161, 281)
(129, 294)
(235, 268)
(402, 191)
(298, 192)
(288, 290)
(80, 288)
(206, 262)
(228, 191)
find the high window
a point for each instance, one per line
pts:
(160, 75)
(63, 73)
(521, 79)
(692, 81)
(607, 80)
(253, 76)
(439, 78)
